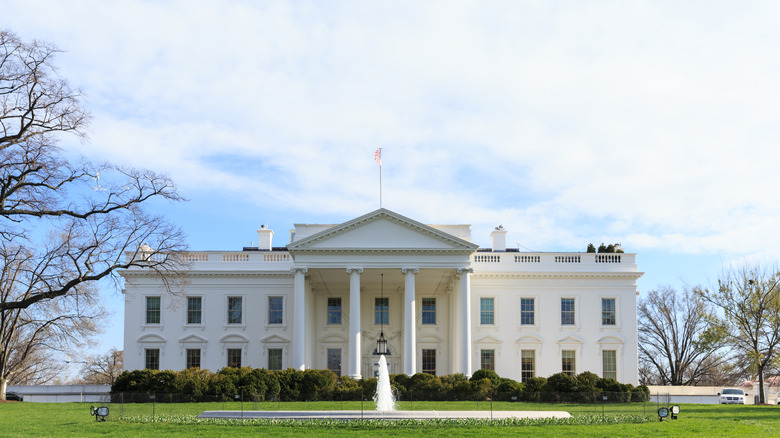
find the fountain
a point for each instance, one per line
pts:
(384, 393)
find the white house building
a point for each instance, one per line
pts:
(443, 304)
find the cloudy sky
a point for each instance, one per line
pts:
(653, 124)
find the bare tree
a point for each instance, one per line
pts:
(102, 369)
(63, 225)
(677, 344)
(750, 305)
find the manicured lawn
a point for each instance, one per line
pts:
(73, 419)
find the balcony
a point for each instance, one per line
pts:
(551, 262)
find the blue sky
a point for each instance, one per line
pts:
(653, 124)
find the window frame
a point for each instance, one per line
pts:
(280, 311)
(187, 364)
(333, 312)
(573, 359)
(491, 312)
(158, 310)
(200, 311)
(533, 311)
(614, 370)
(147, 358)
(573, 312)
(522, 363)
(328, 358)
(229, 310)
(231, 351)
(483, 354)
(614, 311)
(280, 350)
(427, 312)
(378, 312)
(428, 354)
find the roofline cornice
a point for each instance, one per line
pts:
(623, 275)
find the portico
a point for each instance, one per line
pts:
(415, 260)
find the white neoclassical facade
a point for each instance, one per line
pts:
(443, 304)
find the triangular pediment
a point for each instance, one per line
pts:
(274, 339)
(193, 339)
(570, 340)
(382, 230)
(488, 340)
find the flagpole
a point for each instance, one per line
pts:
(378, 159)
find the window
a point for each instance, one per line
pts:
(234, 357)
(487, 311)
(235, 310)
(153, 310)
(334, 360)
(381, 310)
(429, 361)
(153, 358)
(429, 311)
(609, 362)
(487, 360)
(274, 359)
(568, 364)
(567, 311)
(194, 310)
(334, 311)
(527, 315)
(608, 311)
(275, 310)
(193, 358)
(527, 364)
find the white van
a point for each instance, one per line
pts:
(731, 396)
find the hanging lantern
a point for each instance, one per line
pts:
(381, 344)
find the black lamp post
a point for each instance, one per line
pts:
(381, 343)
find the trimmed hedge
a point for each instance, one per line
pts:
(194, 385)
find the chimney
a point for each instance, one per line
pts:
(264, 239)
(498, 238)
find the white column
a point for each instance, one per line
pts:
(410, 344)
(465, 316)
(354, 322)
(299, 319)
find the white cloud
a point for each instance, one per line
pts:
(649, 123)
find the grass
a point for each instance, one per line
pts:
(177, 419)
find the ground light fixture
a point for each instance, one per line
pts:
(662, 413)
(675, 412)
(100, 413)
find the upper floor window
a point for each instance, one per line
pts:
(429, 311)
(381, 310)
(334, 311)
(152, 310)
(194, 310)
(235, 310)
(567, 311)
(487, 311)
(608, 311)
(527, 314)
(275, 310)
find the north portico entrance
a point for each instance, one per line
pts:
(378, 271)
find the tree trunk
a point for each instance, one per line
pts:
(761, 384)
(3, 385)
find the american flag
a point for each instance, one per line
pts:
(378, 156)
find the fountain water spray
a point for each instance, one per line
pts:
(384, 393)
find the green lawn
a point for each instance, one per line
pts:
(73, 419)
